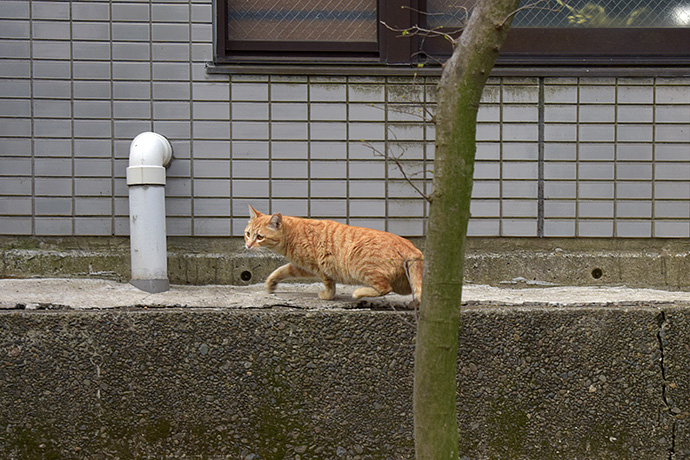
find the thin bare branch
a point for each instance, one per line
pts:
(420, 31)
(400, 168)
(535, 5)
(426, 116)
(426, 13)
(430, 57)
(465, 12)
(398, 158)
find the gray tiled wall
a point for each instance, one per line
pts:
(79, 79)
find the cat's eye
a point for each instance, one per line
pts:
(259, 237)
(247, 234)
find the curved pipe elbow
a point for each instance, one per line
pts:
(149, 153)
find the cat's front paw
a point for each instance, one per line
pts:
(327, 294)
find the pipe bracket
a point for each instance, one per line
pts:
(145, 175)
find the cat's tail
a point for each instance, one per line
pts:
(414, 269)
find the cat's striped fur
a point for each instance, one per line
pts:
(337, 253)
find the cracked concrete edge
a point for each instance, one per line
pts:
(674, 413)
(674, 361)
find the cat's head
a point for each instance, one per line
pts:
(263, 230)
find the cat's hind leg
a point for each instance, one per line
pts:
(378, 288)
(286, 271)
(415, 271)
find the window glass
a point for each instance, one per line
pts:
(573, 13)
(303, 20)
(605, 13)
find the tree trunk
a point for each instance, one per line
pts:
(460, 89)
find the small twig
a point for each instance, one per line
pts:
(399, 157)
(431, 57)
(416, 30)
(426, 13)
(398, 108)
(535, 5)
(400, 168)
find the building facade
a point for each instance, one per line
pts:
(589, 150)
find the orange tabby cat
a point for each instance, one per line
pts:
(337, 253)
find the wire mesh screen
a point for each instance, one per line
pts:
(299, 20)
(572, 13)
(447, 13)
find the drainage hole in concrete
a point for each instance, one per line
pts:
(597, 273)
(246, 275)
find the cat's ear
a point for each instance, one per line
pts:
(253, 213)
(276, 221)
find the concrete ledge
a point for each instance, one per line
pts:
(652, 263)
(281, 380)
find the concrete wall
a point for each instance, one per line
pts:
(645, 263)
(558, 157)
(579, 382)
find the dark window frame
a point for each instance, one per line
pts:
(606, 47)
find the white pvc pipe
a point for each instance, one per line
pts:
(149, 153)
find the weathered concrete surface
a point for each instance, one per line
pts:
(290, 376)
(652, 263)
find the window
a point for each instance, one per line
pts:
(622, 32)
(320, 27)
(568, 32)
